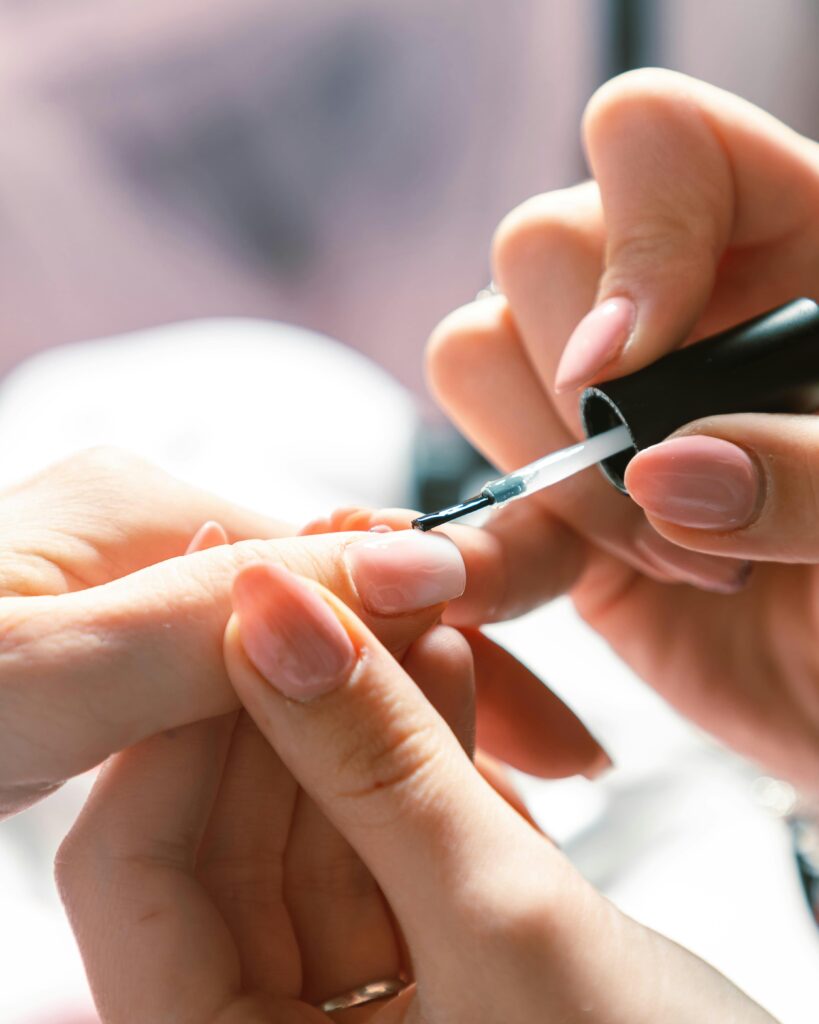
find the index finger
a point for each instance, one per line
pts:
(85, 674)
(687, 172)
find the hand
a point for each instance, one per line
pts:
(514, 710)
(704, 211)
(203, 902)
(102, 647)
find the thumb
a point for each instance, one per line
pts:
(745, 485)
(363, 741)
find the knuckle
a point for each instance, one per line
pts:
(71, 863)
(103, 461)
(378, 770)
(663, 243)
(553, 223)
(452, 350)
(629, 95)
(96, 854)
(449, 343)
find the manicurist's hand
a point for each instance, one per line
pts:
(368, 849)
(703, 211)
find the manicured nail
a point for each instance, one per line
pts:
(701, 482)
(405, 571)
(595, 342)
(209, 535)
(381, 528)
(289, 633)
(708, 572)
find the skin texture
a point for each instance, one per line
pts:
(108, 638)
(251, 903)
(703, 211)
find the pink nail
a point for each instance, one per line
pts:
(405, 571)
(595, 342)
(701, 482)
(209, 535)
(289, 633)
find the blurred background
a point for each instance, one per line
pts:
(336, 165)
(340, 166)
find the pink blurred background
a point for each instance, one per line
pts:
(340, 166)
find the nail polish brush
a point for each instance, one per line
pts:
(769, 364)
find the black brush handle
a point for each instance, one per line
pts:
(769, 364)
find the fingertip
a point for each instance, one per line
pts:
(596, 343)
(697, 481)
(290, 634)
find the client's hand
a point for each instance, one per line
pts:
(102, 648)
(200, 901)
(704, 212)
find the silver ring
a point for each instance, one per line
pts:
(365, 994)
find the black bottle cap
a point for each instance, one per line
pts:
(769, 364)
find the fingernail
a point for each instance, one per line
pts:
(381, 528)
(289, 633)
(209, 535)
(595, 342)
(701, 482)
(708, 572)
(405, 571)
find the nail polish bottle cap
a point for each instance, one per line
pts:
(768, 364)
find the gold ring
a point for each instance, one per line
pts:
(365, 994)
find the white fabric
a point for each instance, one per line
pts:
(294, 424)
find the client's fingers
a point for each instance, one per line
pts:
(523, 723)
(131, 859)
(150, 937)
(86, 674)
(440, 664)
(344, 930)
(370, 749)
(102, 514)
(240, 860)
(521, 558)
(155, 945)
(743, 485)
